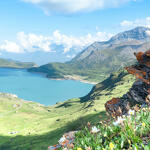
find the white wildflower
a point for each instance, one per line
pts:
(118, 121)
(131, 112)
(65, 148)
(95, 130)
(62, 140)
(144, 109)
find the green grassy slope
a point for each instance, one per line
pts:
(117, 84)
(61, 70)
(15, 64)
(38, 126)
(53, 70)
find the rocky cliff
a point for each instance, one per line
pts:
(139, 93)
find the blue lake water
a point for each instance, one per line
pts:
(35, 87)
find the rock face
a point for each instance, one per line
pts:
(139, 92)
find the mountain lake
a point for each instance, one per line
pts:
(37, 88)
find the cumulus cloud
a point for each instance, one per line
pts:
(10, 47)
(78, 42)
(32, 42)
(70, 56)
(74, 6)
(148, 32)
(138, 22)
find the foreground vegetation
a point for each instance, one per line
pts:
(28, 125)
(127, 132)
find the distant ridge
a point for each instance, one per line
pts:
(15, 64)
(138, 33)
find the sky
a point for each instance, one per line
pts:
(45, 31)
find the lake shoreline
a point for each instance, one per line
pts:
(75, 78)
(67, 77)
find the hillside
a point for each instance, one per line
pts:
(100, 59)
(29, 125)
(115, 81)
(15, 64)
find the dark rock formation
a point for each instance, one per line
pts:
(139, 92)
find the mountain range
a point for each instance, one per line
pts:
(98, 60)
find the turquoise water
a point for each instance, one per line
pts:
(35, 87)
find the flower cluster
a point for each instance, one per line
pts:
(130, 131)
(65, 142)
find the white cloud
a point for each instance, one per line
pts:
(78, 42)
(138, 22)
(148, 32)
(70, 56)
(32, 42)
(10, 47)
(74, 6)
(126, 23)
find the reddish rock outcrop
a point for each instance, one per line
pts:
(110, 107)
(139, 91)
